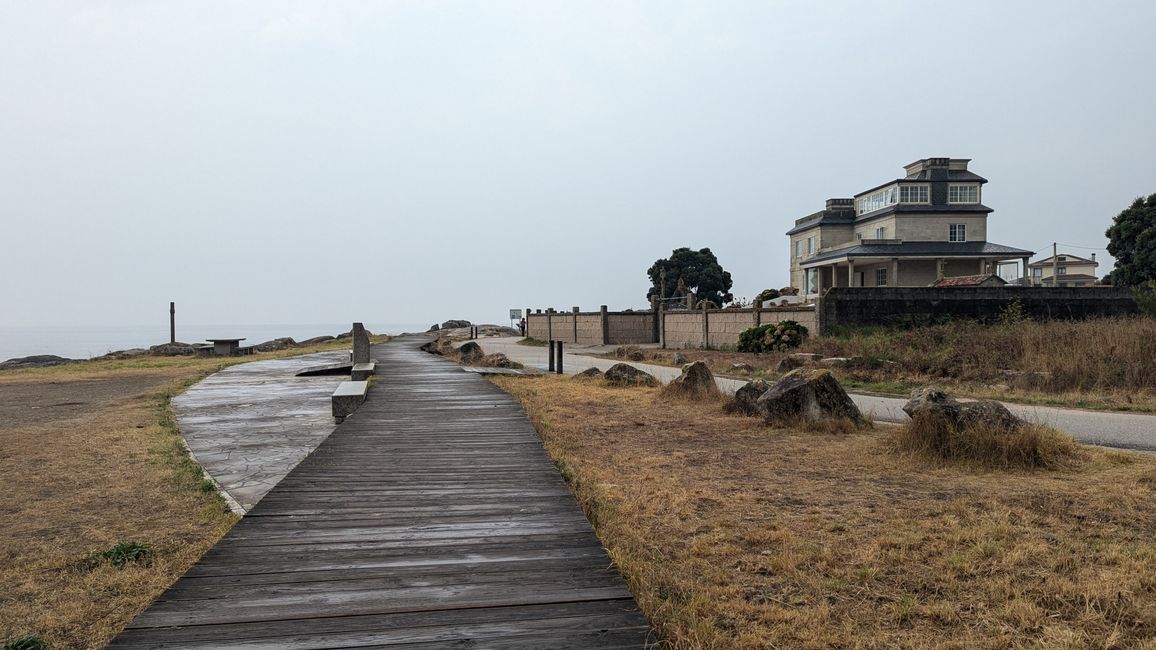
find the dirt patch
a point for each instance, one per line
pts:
(27, 403)
(733, 535)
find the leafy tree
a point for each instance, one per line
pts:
(1132, 241)
(699, 272)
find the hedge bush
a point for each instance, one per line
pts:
(772, 337)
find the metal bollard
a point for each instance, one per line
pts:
(551, 368)
(559, 364)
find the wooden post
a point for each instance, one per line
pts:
(558, 366)
(549, 325)
(550, 367)
(605, 325)
(172, 322)
(575, 323)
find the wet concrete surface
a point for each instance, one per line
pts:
(249, 424)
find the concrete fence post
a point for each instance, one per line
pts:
(550, 324)
(661, 317)
(558, 366)
(705, 327)
(605, 325)
(550, 363)
(575, 319)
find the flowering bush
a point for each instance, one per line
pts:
(772, 337)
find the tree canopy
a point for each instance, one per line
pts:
(699, 272)
(1132, 242)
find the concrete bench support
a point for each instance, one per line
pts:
(362, 371)
(348, 396)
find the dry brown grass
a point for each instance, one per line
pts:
(732, 535)
(79, 480)
(1031, 446)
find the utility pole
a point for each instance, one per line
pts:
(1055, 266)
(172, 322)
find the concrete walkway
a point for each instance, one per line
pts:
(251, 423)
(1105, 428)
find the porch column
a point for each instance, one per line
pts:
(894, 272)
(850, 272)
(939, 268)
(1025, 275)
(982, 266)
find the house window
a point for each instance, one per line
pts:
(957, 232)
(798, 248)
(880, 277)
(963, 194)
(913, 194)
(1063, 270)
(1037, 273)
(810, 246)
(876, 200)
(812, 281)
(881, 233)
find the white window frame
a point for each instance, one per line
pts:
(881, 232)
(1061, 270)
(881, 277)
(953, 229)
(810, 245)
(954, 191)
(811, 280)
(916, 194)
(881, 198)
(1037, 273)
(798, 249)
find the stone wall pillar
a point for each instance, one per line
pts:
(705, 327)
(360, 344)
(605, 325)
(574, 310)
(850, 273)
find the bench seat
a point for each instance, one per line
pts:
(348, 396)
(362, 371)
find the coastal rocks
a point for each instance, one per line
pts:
(809, 395)
(695, 382)
(455, 324)
(624, 374)
(471, 353)
(433, 328)
(121, 355)
(177, 349)
(317, 339)
(632, 352)
(746, 398)
(35, 361)
(589, 373)
(283, 343)
(441, 346)
(937, 407)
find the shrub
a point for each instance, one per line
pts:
(772, 337)
(1145, 295)
(125, 552)
(26, 642)
(1031, 446)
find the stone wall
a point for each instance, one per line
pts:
(845, 306)
(631, 327)
(684, 329)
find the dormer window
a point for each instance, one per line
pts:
(914, 194)
(963, 194)
(876, 200)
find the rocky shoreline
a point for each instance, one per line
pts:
(188, 349)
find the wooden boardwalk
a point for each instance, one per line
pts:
(431, 518)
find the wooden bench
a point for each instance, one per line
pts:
(362, 371)
(348, 396)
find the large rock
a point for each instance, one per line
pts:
(34, 361)
(283, 343)
(433, 328)
(679, 359)
(498, 360)
(807, 394)
(695, 382)
(589, 373)
(624, 374)
(177, 349)
(787, 364)
(455, 324)
(934, 404)
(121, 355)
(317, 339)
(471, 352)
(746, 398)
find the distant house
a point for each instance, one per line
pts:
(984, 280)
(1073, 271)
(908, 232)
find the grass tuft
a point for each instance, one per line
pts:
(122, 553)
(26, 642)
(1031, 446)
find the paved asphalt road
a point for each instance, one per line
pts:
(1105, 428)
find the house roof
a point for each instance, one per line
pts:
(1078, 277)
(921, 249)
(967, 280)
(1068, 259)
(829, 218)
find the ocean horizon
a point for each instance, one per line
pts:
(94, 341)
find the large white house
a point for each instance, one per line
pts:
(910, 231)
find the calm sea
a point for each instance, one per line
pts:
(86, 342)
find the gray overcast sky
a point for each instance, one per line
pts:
(285, 162)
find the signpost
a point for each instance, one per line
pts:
(515, 317)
